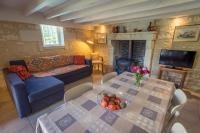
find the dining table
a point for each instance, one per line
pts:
(147, 106)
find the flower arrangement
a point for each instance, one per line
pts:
(139, 71)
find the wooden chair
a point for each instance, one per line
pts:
(77, 91)
(178, 128)
(97, 61)
(108, 76)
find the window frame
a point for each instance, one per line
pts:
(60, 36)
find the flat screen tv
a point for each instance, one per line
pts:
(177, 58)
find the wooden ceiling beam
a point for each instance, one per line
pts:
(171, 9)
(161, 16)
(96, 10)
(37, 5)
(76, 6)
(147, 6)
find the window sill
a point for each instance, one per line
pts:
(53, 47)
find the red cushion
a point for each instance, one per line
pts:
(79, 60)
(20, 70)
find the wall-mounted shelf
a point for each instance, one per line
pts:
(132, 36)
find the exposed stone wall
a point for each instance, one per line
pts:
(165, 29)
(20, 40)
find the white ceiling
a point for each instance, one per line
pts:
(104, 11)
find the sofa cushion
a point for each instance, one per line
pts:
(60, 70)
(20, 70)
(79, 60)
(59, 60)
(39, 88)
(73, 76)
(38, 64)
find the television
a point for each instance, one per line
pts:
(177, 58)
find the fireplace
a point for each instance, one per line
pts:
(131, 49)
(136, 46)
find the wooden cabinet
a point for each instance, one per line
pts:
(174, 75)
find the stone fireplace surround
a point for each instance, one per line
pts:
(149, 37)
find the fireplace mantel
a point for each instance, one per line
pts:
(132, 36)
(149, 37)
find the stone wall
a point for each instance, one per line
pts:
(21, 40)
(165, 29)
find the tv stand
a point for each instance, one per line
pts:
(173, 67)
(174, 75)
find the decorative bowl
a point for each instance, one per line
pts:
(111, 101)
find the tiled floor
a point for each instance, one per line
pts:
(10, 123)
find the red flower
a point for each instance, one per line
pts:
(139, 70)
(142, 71)
(146, 71)
(134, 68)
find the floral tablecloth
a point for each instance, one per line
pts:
(145, 111)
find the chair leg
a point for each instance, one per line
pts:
(93, 66)
(102, 68)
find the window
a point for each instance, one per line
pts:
(52, 35)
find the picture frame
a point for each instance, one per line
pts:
(188, 33)
(101, 38)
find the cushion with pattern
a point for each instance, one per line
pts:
(20, 70)
(79, 60)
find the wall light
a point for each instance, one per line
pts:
(90, 41)
(102, 29)
(178, 21)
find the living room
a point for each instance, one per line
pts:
(99, 57)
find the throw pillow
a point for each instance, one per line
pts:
(20, 70)
(79, 60)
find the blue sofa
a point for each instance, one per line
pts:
(36, 93)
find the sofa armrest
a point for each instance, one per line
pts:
(19, 94)
(88, 62)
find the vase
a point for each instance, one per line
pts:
(139, 78)
(138, 83)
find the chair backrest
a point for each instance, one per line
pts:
(178, 128)
(108, 76)
(94, 56)
(175, 110)
(77, 91)
(174, 113)
(179, 97)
